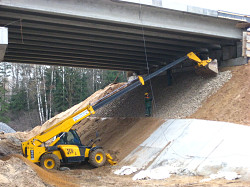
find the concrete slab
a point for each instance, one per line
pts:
(193, 147)
(5, 128)
(234, 62)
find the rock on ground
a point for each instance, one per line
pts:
(180, 100)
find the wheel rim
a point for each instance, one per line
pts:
(49, 163)
(99, 157)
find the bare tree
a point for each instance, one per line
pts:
(50, 91)
(45, 95)
(39, 97)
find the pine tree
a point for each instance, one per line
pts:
(18, 101)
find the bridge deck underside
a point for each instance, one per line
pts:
(56, 39)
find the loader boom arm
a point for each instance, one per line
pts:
(191, 56)
(62, 126)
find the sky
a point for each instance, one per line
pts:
(235, 6)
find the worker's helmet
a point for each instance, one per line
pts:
(146, 93)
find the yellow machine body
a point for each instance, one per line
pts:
(70, 150)
(204, 67)
(200, 62)
(110, 159)
(35, 147)
(141, 80)
(65, 147)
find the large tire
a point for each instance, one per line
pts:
(97, 158)
(50, 161)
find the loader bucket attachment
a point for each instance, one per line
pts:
(204, 67)
(210, 69)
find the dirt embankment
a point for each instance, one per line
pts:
(232, 102)
(15, 172)
(19, 171)
(119, 136)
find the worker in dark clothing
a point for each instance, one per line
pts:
(170, 77)
(148, 105)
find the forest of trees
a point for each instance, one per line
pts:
(45, 91)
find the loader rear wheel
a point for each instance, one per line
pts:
(97, 158)
(50, 161)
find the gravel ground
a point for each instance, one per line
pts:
(180, 100)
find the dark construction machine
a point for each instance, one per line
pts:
(66, 146)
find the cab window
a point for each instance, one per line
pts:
(70, 138)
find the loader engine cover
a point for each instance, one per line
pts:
(71, 153)
(70, 150)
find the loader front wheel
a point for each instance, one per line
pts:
(97, 158)
(50, 161)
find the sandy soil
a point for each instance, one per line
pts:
(85, 175)
(119, 136)
(232, 102)
(18, 171)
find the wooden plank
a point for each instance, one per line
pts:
(248, 38)
(248, 53)
(244, 41)
(246, 44)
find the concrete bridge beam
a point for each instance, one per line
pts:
(133, 14)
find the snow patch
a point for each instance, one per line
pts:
(222, 175)
(157, 173)
(126, 170)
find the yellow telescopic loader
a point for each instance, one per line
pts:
(65, 145)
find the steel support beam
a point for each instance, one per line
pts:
(77, 59)
(75, 64)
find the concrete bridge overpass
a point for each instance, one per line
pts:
(108, 34)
